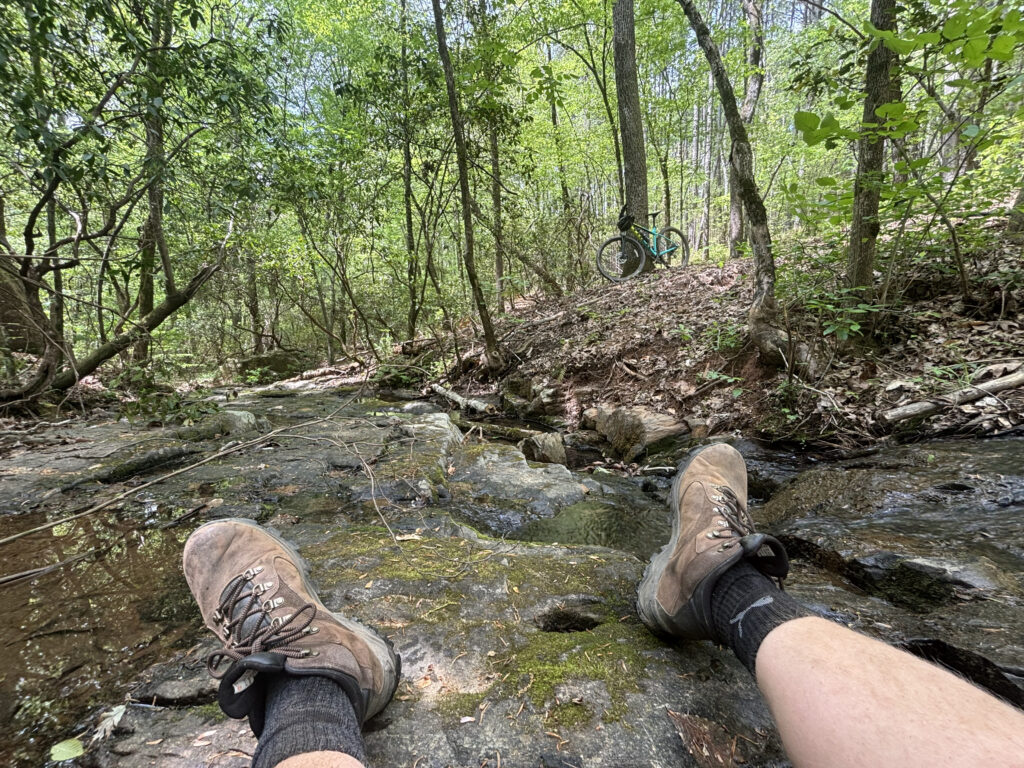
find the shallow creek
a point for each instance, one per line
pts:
(921, 527)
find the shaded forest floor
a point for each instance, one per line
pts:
(675, 341)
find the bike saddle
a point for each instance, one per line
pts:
(653, 215)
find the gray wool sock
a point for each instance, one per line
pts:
(745, 606)
(307, 714)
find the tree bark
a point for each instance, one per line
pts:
(751, 93)
(413, 267)
(631, 127)
(879, 90)
(493, 357)
(153, 244)
(1015, 223)
(499, 241)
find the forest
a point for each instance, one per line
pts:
(186, 185)
(339, 269)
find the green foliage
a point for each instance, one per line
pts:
(724, 336)
(839, 314)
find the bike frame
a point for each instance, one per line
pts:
(648, 244)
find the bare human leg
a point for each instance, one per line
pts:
(841, 699)
(321, 760)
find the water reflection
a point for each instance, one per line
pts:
(77, 635)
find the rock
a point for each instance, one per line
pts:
(631, 431)
(532, 398)
(923, 526)
(698, 428)
(547, 447)
(502, 644)
(421, 407)
(180, 682)
(220, 424)
(508, 491)
(271, 366)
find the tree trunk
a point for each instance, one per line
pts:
(499, 242)
(413, 268)
(666, 185)
(252, 304)
(152, 242)
(566, 216)
(867, 185)
(20, 332)
(631, 127)
(772, 344)
(493, 357)
(751, 94)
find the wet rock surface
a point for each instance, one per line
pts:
(511, 647)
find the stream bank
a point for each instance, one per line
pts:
(507, 585)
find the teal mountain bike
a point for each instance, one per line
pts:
(623, 256)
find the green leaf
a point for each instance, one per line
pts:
(971, 131)
(67, 750)
(1002, 48)
(825, 181)
(974, 50)
(806, 121)
(954, 27)
(902, 47)
(891, 110)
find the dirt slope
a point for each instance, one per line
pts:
(675, 341)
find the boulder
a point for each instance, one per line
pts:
(630, 431)
(547, 447)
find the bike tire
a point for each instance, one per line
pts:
(620, 258)
(671, 236)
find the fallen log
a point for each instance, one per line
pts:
(952, 399)
(465, 403)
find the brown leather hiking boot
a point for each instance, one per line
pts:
(711, 531)
(253, 593)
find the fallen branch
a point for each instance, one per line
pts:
(952, 399)
(494, 430)
(465, 403)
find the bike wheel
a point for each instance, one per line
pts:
(619, 258)
(672, 240)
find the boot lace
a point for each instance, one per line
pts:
(735, 514)
(266, 633)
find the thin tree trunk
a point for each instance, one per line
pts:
(413, 270)
(631, 127)
(1015, 223)
(867, 187)
(493, 358)
(564, 188)
(252, 304)
(499, 242)
(762, 313)
(153, 243)
(751, 94)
